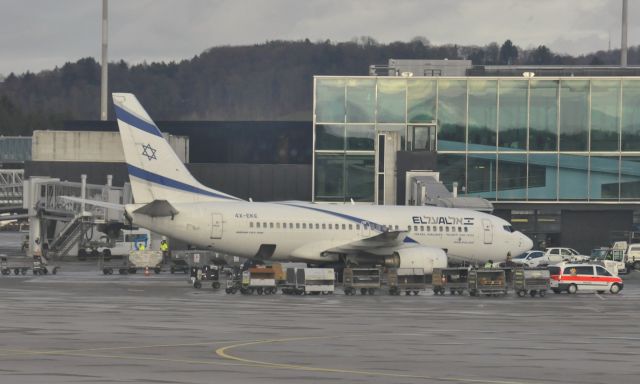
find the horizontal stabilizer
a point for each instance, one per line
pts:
(157, 208)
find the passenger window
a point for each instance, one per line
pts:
(258, 225)
(284, 225)
(441, 229)
(453, 229)
(602, 271)
(297, 225)
(278, 225)
(317, 226)
(428, 228)
(251, 224)
(446, 228)
(290, 225)
(350, 227)
(409, 228)
(264, 225)
(330, 226)
(584, 270)
(466, 229)
(304, 225)
(310, 225)
(422, 228)
(397, 227)
(344, 226)
(324, 226)
(357, 227)
(459, 229)
(415, 228)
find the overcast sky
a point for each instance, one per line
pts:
(40, 34)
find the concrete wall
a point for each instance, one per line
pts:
(90, 146)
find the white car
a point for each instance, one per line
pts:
(556, 255)
(529, 259)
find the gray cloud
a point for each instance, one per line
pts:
(41, 34)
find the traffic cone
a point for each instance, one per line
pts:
(146, 271)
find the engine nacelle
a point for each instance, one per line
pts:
(418, 257)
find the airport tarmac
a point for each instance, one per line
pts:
(82, 326)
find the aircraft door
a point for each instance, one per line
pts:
(487, 230)
(216, 226)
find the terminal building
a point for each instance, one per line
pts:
(558, 154)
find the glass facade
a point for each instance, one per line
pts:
(504, 139)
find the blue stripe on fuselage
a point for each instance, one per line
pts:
(133, 120)
(167, 182)
(374, 226)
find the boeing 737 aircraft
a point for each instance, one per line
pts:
(170, 201)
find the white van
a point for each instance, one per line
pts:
(129, 240)
(574, 278)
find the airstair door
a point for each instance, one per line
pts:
(487, 229)
(216, 226)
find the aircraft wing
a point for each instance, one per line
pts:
(381, 240)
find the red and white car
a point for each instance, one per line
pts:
(573, 278)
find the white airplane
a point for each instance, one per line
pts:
(170, 201)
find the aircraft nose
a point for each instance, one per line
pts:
(526, 242)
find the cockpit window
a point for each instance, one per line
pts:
(508, 228)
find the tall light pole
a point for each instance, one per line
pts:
(104, 61)
(623, 43)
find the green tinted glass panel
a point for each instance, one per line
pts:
(605, 108)
(574, 115)
(543, 176)
(329, 177)
(452, 169)
(543, 115)
(330, 136)
(330, 107)
(360, 177)
(392, 98)
(361, 100)
(482, 114)
(629, 177)
(452, 99)
(421, 100)
(481, 175)
(604, 181)
(631, 115)
(513, 115)
(512, 177)
(574, 172)
(360, 137)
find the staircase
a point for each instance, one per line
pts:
(70, 236)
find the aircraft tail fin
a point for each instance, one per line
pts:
(155, 170)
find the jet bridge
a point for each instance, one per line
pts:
(59, 226)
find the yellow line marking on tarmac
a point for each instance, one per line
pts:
(222, 352)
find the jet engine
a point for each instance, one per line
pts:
(426, 258)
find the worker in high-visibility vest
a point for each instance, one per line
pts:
(141, 246)
(164, 247)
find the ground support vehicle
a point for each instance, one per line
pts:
(574, 278)
(633, 257)
(261, 280)
(407, 280)
(367, 280)
(290, 286)
(315, 281)
(23, 265)
(487, 281)
(531, 281)
(146, 259)
(178, 265)
(232, 285)
(208, 273)
(115, 263)
(456, 280)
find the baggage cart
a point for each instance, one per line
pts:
(407, 280)
(260, 280)
(315, 281)
(367, 280)
(487, 281)
(18, 267)
(205, 273)
(531, 281)
(146, 259)
(290, 286)
(456, 280)
(115, 263)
